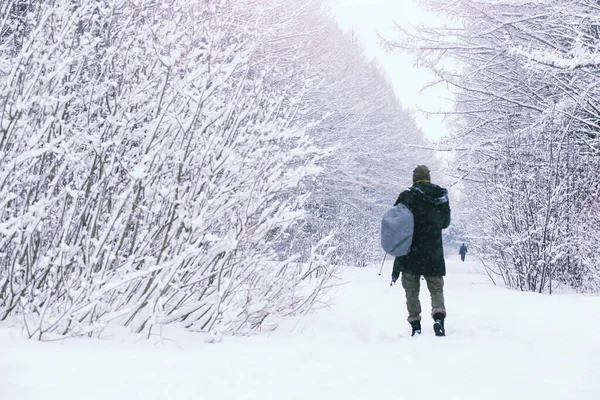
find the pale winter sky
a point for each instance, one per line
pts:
(368, 17)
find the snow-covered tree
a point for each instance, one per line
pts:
(376, 147)
(526, 135)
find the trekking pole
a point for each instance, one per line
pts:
(384, 256)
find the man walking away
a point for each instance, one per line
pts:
(431, 211)
(463, 252)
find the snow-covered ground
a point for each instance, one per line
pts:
(501, 344)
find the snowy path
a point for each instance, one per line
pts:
(501, 344)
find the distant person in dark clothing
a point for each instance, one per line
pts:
(463, 252)
(430, 207)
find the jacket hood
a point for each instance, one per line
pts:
(430, 192)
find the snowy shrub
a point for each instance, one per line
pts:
(148, 151)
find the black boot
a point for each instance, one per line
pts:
(438, 324)
(416, 328)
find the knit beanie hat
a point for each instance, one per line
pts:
(421, 173)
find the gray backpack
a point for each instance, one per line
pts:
(397, 228)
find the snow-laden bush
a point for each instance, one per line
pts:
(149, 154)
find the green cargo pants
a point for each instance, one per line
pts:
(411, 285)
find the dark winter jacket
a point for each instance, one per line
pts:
(431, 210)
(463, 250)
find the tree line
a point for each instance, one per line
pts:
(202, 163)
